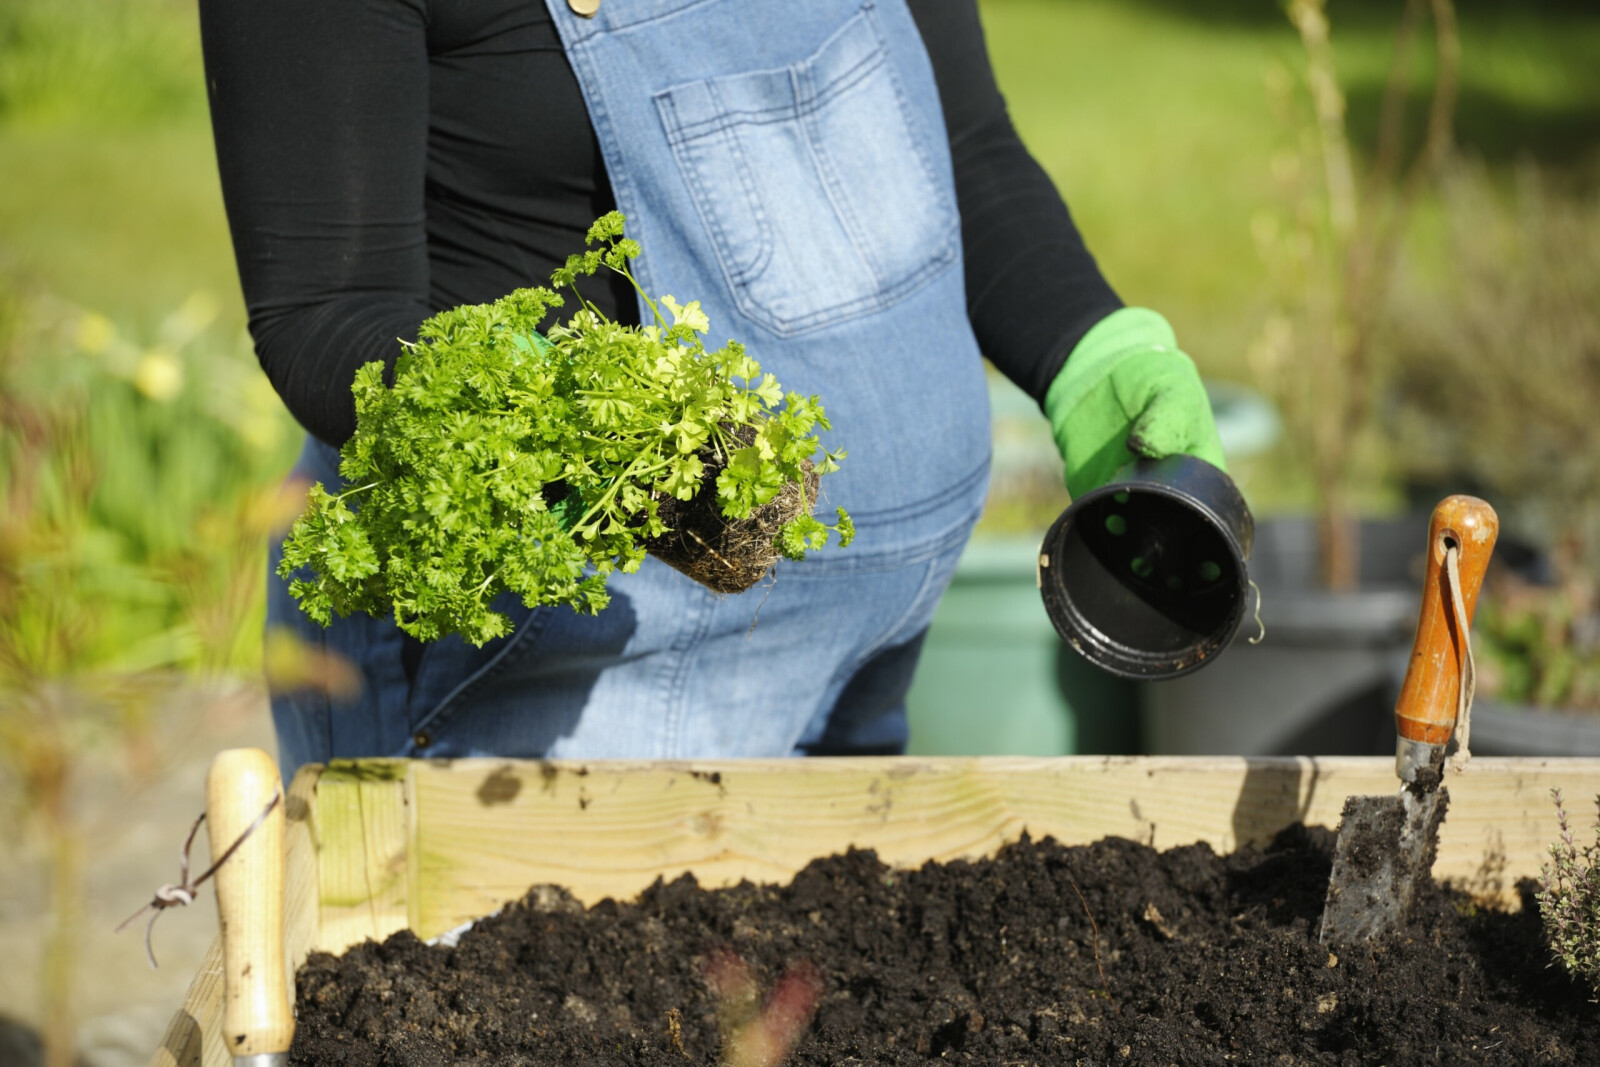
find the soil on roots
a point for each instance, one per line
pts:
(727, 555)
(1106, 954)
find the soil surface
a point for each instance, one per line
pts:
(1106, 954)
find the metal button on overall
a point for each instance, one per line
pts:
(422, 740)
(584, 8)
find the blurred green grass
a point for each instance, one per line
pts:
(128, 222)
(123, 335)
(108, 188)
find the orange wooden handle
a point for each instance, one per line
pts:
(1426, 710)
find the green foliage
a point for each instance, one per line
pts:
(1537, 644)
(1569, 901)
(506, 460)
(1496, 389)
(138, 477)
(138, 474)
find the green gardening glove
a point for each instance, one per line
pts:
(1125, 391)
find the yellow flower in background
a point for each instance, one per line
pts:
(261, 420)
(191, 320)
(159, 375)
(95, 333)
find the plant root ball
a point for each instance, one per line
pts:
(722, 554)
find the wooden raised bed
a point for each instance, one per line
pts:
(373, 847)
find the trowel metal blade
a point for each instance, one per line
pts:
(1386, 849)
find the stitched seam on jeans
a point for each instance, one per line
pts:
(942, 250)
(832, 186)
(699, 193)
(887, 560)
(601, 118)
(443, 712)
(918, 508)
(838, 313)
(798, 109)
(675, 682)
(841, 679)
(622, 26)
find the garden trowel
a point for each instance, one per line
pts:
(257, 1021)
(1387, 844)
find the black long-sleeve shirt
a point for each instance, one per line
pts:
(385, 159)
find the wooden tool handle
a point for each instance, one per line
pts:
(1426, 710)
(256, 1017)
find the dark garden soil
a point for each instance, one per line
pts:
(1201, 960)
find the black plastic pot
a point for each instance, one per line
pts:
(1520, 730)
(1146, 576)
(1325, 678)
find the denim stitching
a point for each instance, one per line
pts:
(699, 191)
(622, 187)
(523, 640)
(918, 508)
(838, 196)
(941, 256)
(797, 109)
(886, 639)
(828, 567)
(918, 142)
(675, 672)
(912, 611)
(765, 243)
(624, 25)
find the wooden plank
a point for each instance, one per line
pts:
(196, 1028)
(194, 1036)
(301, 880)
(485, 830)
(361, 823)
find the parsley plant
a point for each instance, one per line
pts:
(505, 460)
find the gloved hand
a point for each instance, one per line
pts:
(1127, 390)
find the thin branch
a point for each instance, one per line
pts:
(1392, 112)
(1094, 930)
(1368, 281)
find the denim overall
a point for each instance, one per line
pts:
(785, 164)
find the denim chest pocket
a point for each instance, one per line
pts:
(815, 182)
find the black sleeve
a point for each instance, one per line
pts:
(320, 113)
(1033, 289)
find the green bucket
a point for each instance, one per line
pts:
(996, 680)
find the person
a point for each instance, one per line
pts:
(837, 182)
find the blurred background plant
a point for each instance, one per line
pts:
(1569, 898)
(140, 482)
(1498, 391)
(1434, 329)
(1331, 251)
(97, 63)
(141, 452)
